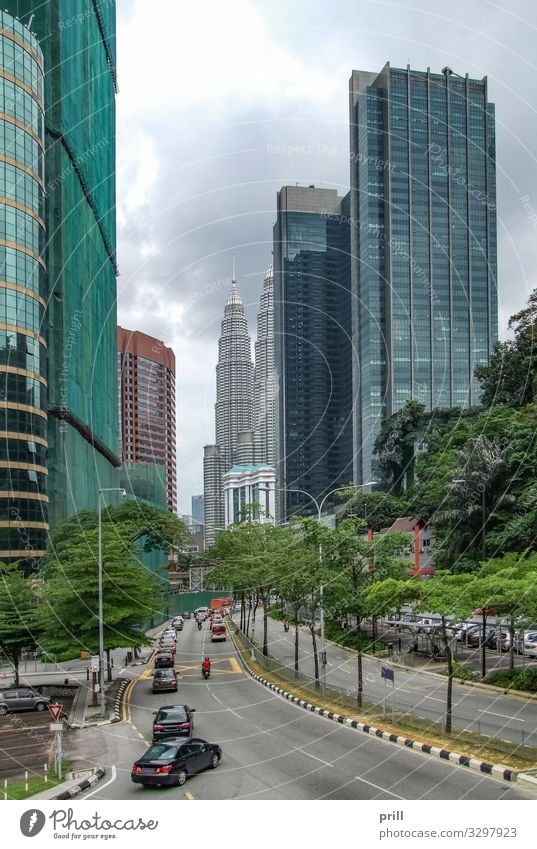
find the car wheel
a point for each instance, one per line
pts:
(3, 710)
(40, 706)
(215, 760)
(181, 777)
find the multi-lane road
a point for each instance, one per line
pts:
(271, 748)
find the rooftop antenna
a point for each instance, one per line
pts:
(233, 279)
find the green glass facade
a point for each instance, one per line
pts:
(312, 346)
(423, 195)
(77, 38)
(23, 358)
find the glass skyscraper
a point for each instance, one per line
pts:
(423, 242)
(312, 346)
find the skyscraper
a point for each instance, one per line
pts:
(423, 202)
(198, 510)
(23, 393)
(264, 408)
(234, 408)
(78, 43)
(146, 377)
(312, 346)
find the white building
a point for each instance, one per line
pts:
(250, 485)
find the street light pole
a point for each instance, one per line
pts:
(100, 592)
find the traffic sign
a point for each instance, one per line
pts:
(55, 726)
(386, 672)
(55, 711)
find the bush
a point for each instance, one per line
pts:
(463, 673)
(515, 679)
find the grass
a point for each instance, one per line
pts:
(464, 742)
(515, 679)
(36, 784)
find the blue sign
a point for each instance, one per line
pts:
(387, 673)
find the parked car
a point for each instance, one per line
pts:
(465, 629)
(474, 637)
(164, 679)
(485, 611)
(530, 643)
(218, 633)
(173, 721)
(22, 699)
(502, 640)
(164, 659)
(171, 762)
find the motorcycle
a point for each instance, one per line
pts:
(286, 627)
(206, 673)
(199, 626)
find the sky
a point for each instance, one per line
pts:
(220, 104)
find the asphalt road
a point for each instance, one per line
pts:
(419, 692)
(271, 748)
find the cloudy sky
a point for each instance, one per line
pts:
(221, 104)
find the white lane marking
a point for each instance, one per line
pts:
(234, 712)
(434, 699)
(102, 786)
(314, 757)
(503, 715)
(216, 697)
(377, 787)
(400, 690)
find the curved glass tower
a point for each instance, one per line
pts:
(23, 385)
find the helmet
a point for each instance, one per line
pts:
(206, 658)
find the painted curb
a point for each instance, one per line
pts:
(71, 792)
(119, 699)
(496, 770)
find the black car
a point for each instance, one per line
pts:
(173, 721)
(164, 679)
(164, 659)
(171, 762)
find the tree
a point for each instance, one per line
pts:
(19, 624)
(70, 613)
(378, 510)
(395, 445)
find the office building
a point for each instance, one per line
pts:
(264, 401)
(198, 510)
(78, 44)
(312, 346)
(423, 243)
(249, 493)
(146, 379)
(23, 299)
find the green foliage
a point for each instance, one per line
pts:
(19, 622)
(395, 445)
(515, 679)
(378, 510)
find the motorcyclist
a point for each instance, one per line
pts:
(200, 626)
(285, 624)
(206, 666)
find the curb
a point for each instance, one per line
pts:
(119, 699)
(71, 792)
(496, 770)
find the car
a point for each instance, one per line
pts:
(173, 721)
(169, 633)
(186, 614)
(164, 660)
(164, 679)
(22, 699)
(530, 644)
(464, 630)
(218, 633)
(178, 623)
(474, 637)
(502, 640)
(171, 762)
(202, 612)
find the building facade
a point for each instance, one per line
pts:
(78, 44)
(198, 510)
(23, 293)
(146, 405)
(423, 242)
(312, 346)
(249, 493)
(264, 401)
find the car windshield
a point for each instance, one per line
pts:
(177, 714)
(160, 752)
(165, 673)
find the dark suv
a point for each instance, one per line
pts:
(23, 699)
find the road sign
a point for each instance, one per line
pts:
(386, 672)
(55, 726)
(94, 663)
(55, 711)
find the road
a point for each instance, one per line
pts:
(271, 748)
(416, 692)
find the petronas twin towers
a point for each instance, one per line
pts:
(244, 409)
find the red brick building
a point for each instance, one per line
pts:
(146, 381)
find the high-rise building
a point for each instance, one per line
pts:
(264, 402)
(249, 493)
(23, 298)
(78, 44)
(146, 377)
(423, 206)
(312, 346)
(234, 409)
(198, 511)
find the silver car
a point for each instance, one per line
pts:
(22, 699)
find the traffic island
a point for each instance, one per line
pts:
(477, 752)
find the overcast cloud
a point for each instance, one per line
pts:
(209, 90)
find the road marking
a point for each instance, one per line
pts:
(189, 796)
(434, 699)
(234, 712)
(377, 787)
(314, 757)
(216, 697)
(503, 715)
(102, 786)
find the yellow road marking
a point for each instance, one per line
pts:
(189, 796)
(235, 665)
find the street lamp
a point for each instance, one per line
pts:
(319, 506)
(101, 614)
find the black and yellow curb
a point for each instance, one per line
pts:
(73, 791)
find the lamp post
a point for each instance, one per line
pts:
(319, 506)
(100, 579)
